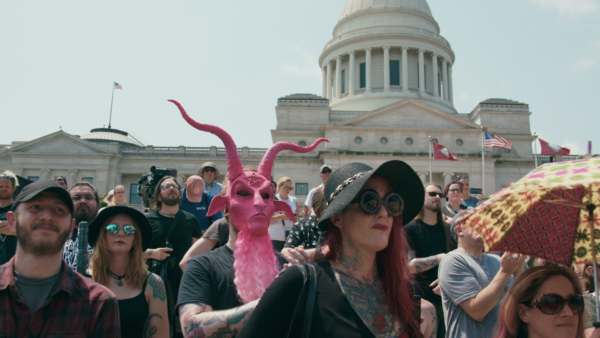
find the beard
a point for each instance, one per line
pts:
(170, 200)
(255, 266)
(42, 247)
(85, 215)
(434, 207)
(6, 196)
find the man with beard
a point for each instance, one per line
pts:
(429, 239)
(8, 244)
(174, 230)
(40, 296)
(85, 203)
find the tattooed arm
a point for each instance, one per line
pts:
(157, 301)
(418, 265)
(200, 321)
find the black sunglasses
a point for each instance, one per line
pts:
(370, 202)
(551, 304)
(433, 194)
(325, 171)
(210, 170)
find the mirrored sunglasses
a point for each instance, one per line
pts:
(551, 304)
(128, 230)
(370, 202)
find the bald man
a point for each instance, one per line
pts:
(196, 201)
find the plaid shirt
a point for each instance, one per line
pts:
(77, 307)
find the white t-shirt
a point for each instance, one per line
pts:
(310, 196)
(277, 229)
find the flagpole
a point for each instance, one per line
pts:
(430, 162)
(482, 160)
(535, 138)
(111, 104)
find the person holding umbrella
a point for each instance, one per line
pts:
(119, 236)
(362, 282)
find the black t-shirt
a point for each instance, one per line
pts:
(219, 230)
(10, 242)
(426, 240)
(181, 237)
(333, 316)
(208, 279)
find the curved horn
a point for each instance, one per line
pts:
(267, 162)
(234, 164)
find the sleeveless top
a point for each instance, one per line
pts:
(134, 312)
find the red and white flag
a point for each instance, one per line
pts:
(118, 86)
(552, 149)
(440, 152)
(495, 141)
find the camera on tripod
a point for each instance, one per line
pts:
(147, 184)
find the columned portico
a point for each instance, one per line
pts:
(45, 174)
(422, 71)
(450, 85)
(369, 87)
(386, 69)
(324, 91)
(405, 69)
(328, 89)
(445, 78)
(352, 55)
(338, 77)
(448, 178)
(436, 78)
(423, 176)
(72, 176)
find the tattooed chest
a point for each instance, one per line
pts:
(369, 302)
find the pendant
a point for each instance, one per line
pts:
(118, 282)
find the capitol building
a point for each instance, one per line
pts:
(387, 87)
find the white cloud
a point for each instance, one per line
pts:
(584, 64)
(571, 9)
(309, 67)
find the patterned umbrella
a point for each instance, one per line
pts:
(551, 213)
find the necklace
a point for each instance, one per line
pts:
(167, 215)
(118, 279)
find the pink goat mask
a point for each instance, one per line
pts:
(249, 200)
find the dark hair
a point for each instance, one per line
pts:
(450, 242)
(523, 290)
(318, 202)
(392, 265)
(85, 184)
(61, 178)
(447, 188)
(158, 190)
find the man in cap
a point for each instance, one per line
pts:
(8, 185)
(324, 173)
(85, 208)
(62, 181)
(40, 296)
(209, 174)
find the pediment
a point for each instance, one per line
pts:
(409, 113)
(58, 143)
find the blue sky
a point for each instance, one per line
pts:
(227, 62)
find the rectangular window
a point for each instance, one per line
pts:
(90, 180)
(33, 178)
(344, 81)
(301, 189)
(133, 196)
(363, 75)
(394, 73)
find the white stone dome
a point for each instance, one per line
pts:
(354, 6)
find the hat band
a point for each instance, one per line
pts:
(345, 184)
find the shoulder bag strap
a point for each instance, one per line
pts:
(173, 225)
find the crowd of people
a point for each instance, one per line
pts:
(371, 253)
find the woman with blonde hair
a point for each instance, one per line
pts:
(281, 225)
(544, 301)
(119, 198)
(119, 236)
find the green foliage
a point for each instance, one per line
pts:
(102, 203)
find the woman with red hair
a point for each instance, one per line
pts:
(362, 282)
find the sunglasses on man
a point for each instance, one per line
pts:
(434, 194)
(370, 202)
(326, 171)
(209, 170)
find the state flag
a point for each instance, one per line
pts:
(440, 152)
(552, 149)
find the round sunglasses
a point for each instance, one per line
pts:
(551, 304)
(370, 202)
(128, 230)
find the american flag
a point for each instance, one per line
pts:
(118, 86)
(495, 141)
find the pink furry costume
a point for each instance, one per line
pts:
(250, 202)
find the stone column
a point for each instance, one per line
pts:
(447, 178)
(368, 71)
(422, 71)
(324, 91)
(351, 73)
(181, 180)
(436, 82)
(405, 69)
(72, 176)
(423, 176)
(450, 85)
(338, 77)
(45, 174)
(386, 69)
(328, 88)
(445, 78)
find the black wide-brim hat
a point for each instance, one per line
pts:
(143, 224)
(345, 183)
